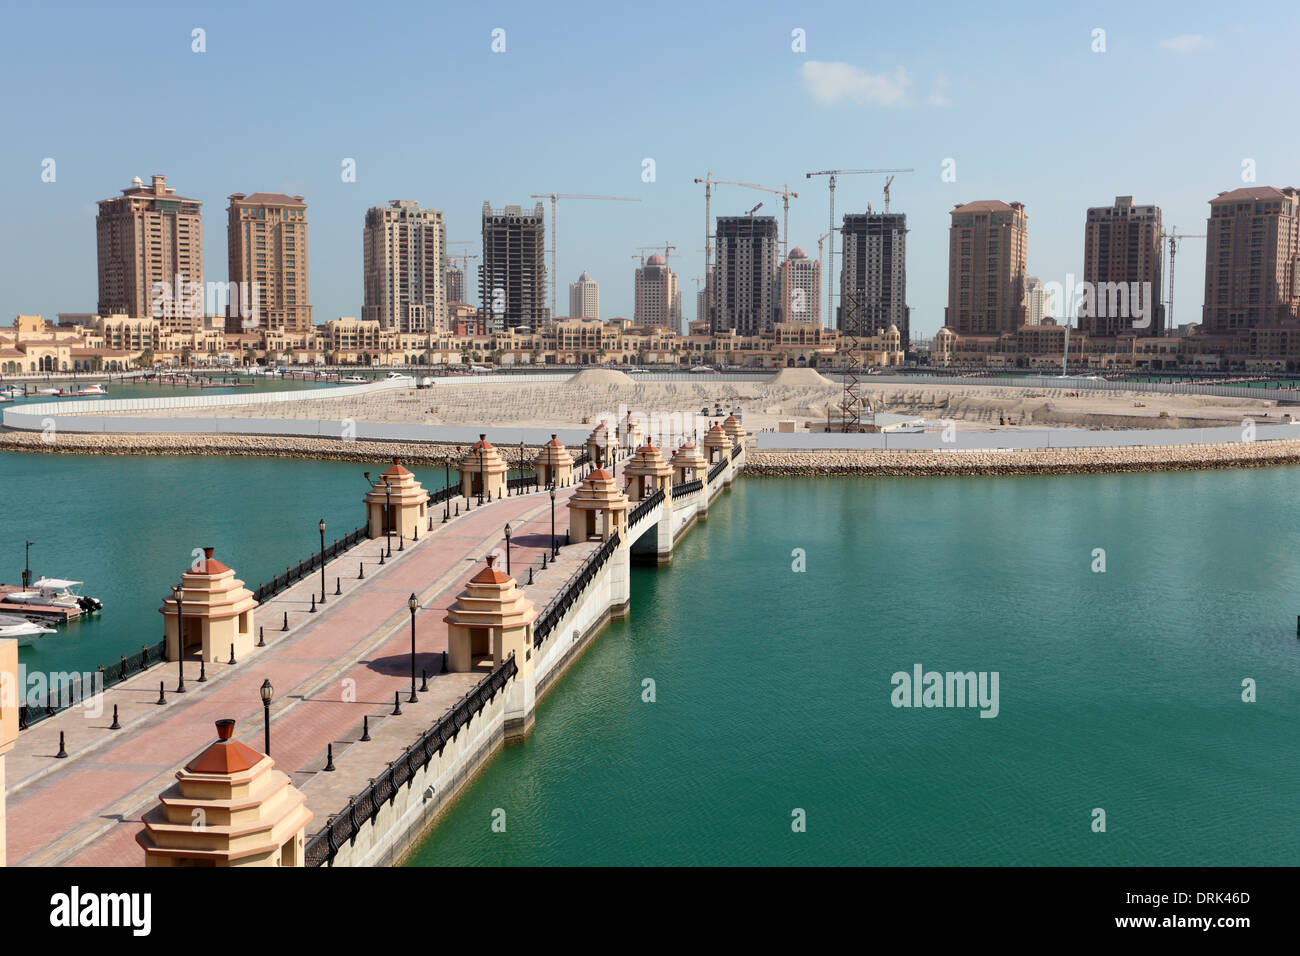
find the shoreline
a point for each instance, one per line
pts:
(769, 462)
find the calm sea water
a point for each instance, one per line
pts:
(1118, 690)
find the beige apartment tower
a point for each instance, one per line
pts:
(146, 238)
(584, 298)
(987, 248)
(658, 300)
(267, 242)
(800, 288)
(1121, 244)
(1252, 259)
(405, 276)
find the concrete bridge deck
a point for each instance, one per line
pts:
(85, 810)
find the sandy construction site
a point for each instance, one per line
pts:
(799, 395)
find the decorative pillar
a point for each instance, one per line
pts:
(407, 498)
(646, 473)
(483, 466)
(554, 464)
(229, 807)
(218, 612)
(598, 509)
(490, 620)
(11, 698)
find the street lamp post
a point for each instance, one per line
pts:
(507, 549)
(27, 563)
(412, 602)
(179, 593)
(555, 552)
(267, 693)
(388, 514)
(446, 483)
(482, 478)
(322, 560)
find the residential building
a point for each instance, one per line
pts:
(584, 298)
(266, 238)
(147, 240)
(404, 262)
(1252, 260)
(746, 274)
(512, 274)
(987, 248)
(800, 288)
(658, 301)
(874, 271)
(1121, 259)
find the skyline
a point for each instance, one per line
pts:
(942, 105)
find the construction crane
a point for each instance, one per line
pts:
(665, 247)
(887, 182)
(833, 174)
(1174, 237)
(464, 267)
(554, 197)
(750, 214)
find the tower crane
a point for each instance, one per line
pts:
(832, 174)
(665, 247)
(1174, 237)
(554, 197)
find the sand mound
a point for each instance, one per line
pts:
(600, 376)
(798, 377)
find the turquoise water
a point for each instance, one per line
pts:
(128, 526)
(1118, 690)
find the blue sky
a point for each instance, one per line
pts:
(1013, 92)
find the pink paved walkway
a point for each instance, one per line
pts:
(88, 811)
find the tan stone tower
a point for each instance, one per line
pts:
(602, 444)
(488, 621)
(735, 431)
(217, 610)
(395, 502)
(597, 509)
(493, 617)
(229, 807)
(688, 464)
(483, 470)
(717, 446)
(10, 700)
(646, 473)
(554, 465)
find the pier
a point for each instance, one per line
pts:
(381, 712)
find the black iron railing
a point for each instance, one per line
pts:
(345, 825)
(72, 690)
(583, 459)
(572, 590)
(295, 574)
(438, 497)
(687, 488)
(717, 470)
(645, 507)
(522, 484)
(735, 452)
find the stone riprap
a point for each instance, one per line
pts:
(760, 462)
(1045, 461)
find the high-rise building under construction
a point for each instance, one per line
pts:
(512, 276)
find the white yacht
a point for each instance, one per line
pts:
(22, 629)
(55, 592)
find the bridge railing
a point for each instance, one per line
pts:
(645, 507)
(572, 590)
(717, 470)
(293, 575)
(687, 488)
(71, 692)
(345, 825)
